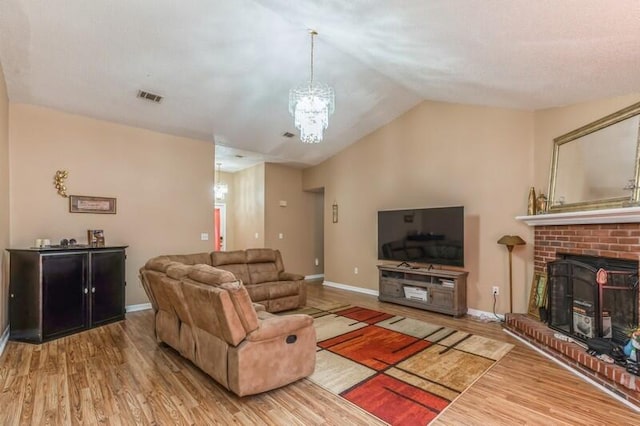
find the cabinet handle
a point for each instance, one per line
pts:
(86, 290)
(93, 289)
(12, 295)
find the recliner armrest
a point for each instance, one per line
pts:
(288, 276)
(279, 326)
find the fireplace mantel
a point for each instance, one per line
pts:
(619, 215)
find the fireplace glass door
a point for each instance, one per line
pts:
(573, 299)
(582, 308)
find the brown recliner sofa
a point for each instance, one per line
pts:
(206, 314)
(262, 272)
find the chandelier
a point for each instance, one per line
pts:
(220, 189)
(311, 104)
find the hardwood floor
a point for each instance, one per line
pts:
(117, 374)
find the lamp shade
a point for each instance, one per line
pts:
(511, 240)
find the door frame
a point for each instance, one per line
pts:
(223, 225)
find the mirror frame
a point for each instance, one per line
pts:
(607, 121)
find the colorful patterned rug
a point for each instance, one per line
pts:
(401, 370)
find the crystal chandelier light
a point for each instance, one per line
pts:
(311, 104)
(220, 189)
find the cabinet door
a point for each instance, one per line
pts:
(441, 297)
(64, 307)
(107, 286)
(391, 288)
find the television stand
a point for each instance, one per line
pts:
(437, 290)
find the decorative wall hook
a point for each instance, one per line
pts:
(58, 182)
(334, 209)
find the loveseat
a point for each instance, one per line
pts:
(206, 314)
(262, 272)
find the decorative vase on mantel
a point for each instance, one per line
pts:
(531, 206)
(541, 204)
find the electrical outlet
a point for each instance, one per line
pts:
(355, 270)
(495, 291)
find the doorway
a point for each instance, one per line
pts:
(220, 227)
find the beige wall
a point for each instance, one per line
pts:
(436, 154)
(296, 222)
(163, 185)
(248, 208)
(4, 203)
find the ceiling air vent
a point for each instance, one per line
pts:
(288, 135)
(152, 97)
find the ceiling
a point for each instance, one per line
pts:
(225, 67)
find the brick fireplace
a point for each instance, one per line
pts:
(613, 234)
(611, 240)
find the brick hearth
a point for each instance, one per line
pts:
(611, 376)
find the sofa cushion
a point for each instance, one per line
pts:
(242, 303)
(213, 311)
(263, 272)
(273, 290)
(191, 259)
(219, 258)
(209, 275)
(259, 293)
(288, 276)
(283, 303)
(159, 263)
(280, 289)
(260, 255)
(239, 270)
(178, 270)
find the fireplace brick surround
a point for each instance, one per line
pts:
(612, 240)
(615, 240)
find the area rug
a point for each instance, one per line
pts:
(401, 370)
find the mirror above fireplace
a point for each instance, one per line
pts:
(596, 166)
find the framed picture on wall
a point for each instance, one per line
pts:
(84, 204)
(538, 295)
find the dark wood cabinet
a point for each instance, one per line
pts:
(59, 291)
(437, 290)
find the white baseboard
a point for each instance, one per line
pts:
(314, 277)
(485, 315)
(4, 339)
(351, 288)
(575, 372)
(138, 307)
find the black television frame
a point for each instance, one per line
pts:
(422, 236)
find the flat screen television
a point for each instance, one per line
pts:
(426, 235)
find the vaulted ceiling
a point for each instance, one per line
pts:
(225, 67)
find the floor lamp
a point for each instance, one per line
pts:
(510, 241)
